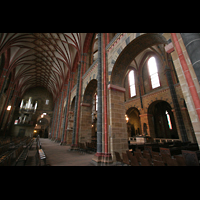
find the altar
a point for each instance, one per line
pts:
(142, 139)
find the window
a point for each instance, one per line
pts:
(131, 79)
(153, 72)
(47, 102)
(168, 120)
(96, 101)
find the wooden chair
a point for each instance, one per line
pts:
(191, 158)
(148, 148)
(154, 153)
(138, 155)
(138, 150)
(180, 160)
(165, 157)
(171, 161)
(165, 151)
(129, 154)
(125, 159)
(134, 161)
(145, 151)
(118, 157)
(147, 155)
(156, 156)
(158, 163)
(144, 162)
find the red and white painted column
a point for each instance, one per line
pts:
(188, 76)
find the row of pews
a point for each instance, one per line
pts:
(14, 150)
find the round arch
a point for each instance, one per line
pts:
(130, 52)
(88, 132)
(133, 123)
(161, 120)
(89, 91)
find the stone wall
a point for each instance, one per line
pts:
(85, 133)
(118, 128)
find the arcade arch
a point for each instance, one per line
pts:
(88, 130)
(133, 122)
(161, 120)
(130, 58)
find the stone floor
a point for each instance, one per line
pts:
(59, 155)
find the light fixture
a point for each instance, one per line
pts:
(126, 117)
(9, 108)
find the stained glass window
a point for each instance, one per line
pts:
(169, 120)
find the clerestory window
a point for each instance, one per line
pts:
(153, 72)
(131, 79)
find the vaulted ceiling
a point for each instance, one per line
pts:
(41, 59)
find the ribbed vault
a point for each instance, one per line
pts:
(41, 59)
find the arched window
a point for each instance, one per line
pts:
(131, 79)
(95, 102)
(153, 72)
(168, 120)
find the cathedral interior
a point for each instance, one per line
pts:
(105, 93)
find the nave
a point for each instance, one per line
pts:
(97, 94)
(27, 151)
(58, 155)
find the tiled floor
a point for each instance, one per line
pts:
(60, 155)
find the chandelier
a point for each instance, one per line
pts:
(28, 106)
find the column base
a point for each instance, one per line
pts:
(97, 159)
(107, 159)
(57, 140)
(63, 143)
(102, 159)
(73, 147)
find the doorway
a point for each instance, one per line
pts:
(162, 123)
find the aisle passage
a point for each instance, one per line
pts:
(61, 156)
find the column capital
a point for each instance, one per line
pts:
(115, 87)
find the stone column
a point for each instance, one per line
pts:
(76, 105)
(118, 127)
(98, 156)
(176, 105)
(192, 44)
(54, 124)
(65, 112)
(99, 93)
(59, 115)
(174, 98)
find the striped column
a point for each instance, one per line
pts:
(65, 112)
(76, 104)
(60, 106)
(98, 157)
(56, 110)
(192, 44)
(99, 93)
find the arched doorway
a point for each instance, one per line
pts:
(133, 122)
(88, 126)
(41, 128)
(161, 120)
